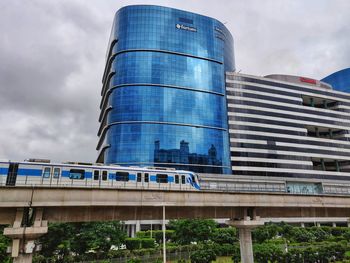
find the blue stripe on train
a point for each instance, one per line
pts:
(170, 179)
(4, 171)
(153, 178)
(29, 172)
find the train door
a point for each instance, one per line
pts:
(96, 179)
(46, 175)
(104, 178)
(12, 174)
(146, 180)
(56, 175)
(139, 182)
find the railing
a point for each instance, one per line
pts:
(147, 258)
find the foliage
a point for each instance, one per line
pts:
(265, 253)
(263, 233)
(83, 240)
(4, 243)
(195, 230)
(138, 243)
(203, 256)
(225, 235)
(157, 235)
(147, 242)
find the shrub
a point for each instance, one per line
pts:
(133, 243)
(137, 243)
(203, 256)
(147, 242)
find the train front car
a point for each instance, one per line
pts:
(194, 180)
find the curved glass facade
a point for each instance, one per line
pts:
(339, 80)
(163, 96)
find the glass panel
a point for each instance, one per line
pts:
(96, 175)
(56, 173)
(146, 177)
(138, 177)
(77, 174)
(104, 175)
(162, 178)
(122, 176)
(47, 172)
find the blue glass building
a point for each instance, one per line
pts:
(163, 95)
(339, 80)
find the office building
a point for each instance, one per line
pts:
(163, 96)
(339, 80)
(288, 126)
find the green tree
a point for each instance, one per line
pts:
(97, 237)
(263, 233)
(301, 234)
(67, 242)
(265, 253)
(225, 235)
(192, 230)
(4, 243)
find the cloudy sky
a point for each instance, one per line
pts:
(52, 57)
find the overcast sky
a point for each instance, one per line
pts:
(52, 59)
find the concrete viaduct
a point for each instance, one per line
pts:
(72, 204)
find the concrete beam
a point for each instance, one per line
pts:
(46, 196)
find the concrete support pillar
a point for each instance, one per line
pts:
(318, 224)
(23, 233)
(23, 258)
(245, 227)
(334, 224)
(138, 225)
(302, 224)
(246, 245)
(133, 228)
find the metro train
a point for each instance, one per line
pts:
(41, 172)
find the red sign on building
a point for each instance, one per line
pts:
(307, 80)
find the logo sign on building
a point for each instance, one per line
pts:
(188, 28)
(307, 80)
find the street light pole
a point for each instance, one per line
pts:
(164, 246)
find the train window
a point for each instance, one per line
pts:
(96, 175)
(139, 177)
(176, 178)
(122, 176)
(76, 174)
(104, 175)
(146, 178)
(56, 172)
(162, 178)
(47, 172)
(183, 179)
